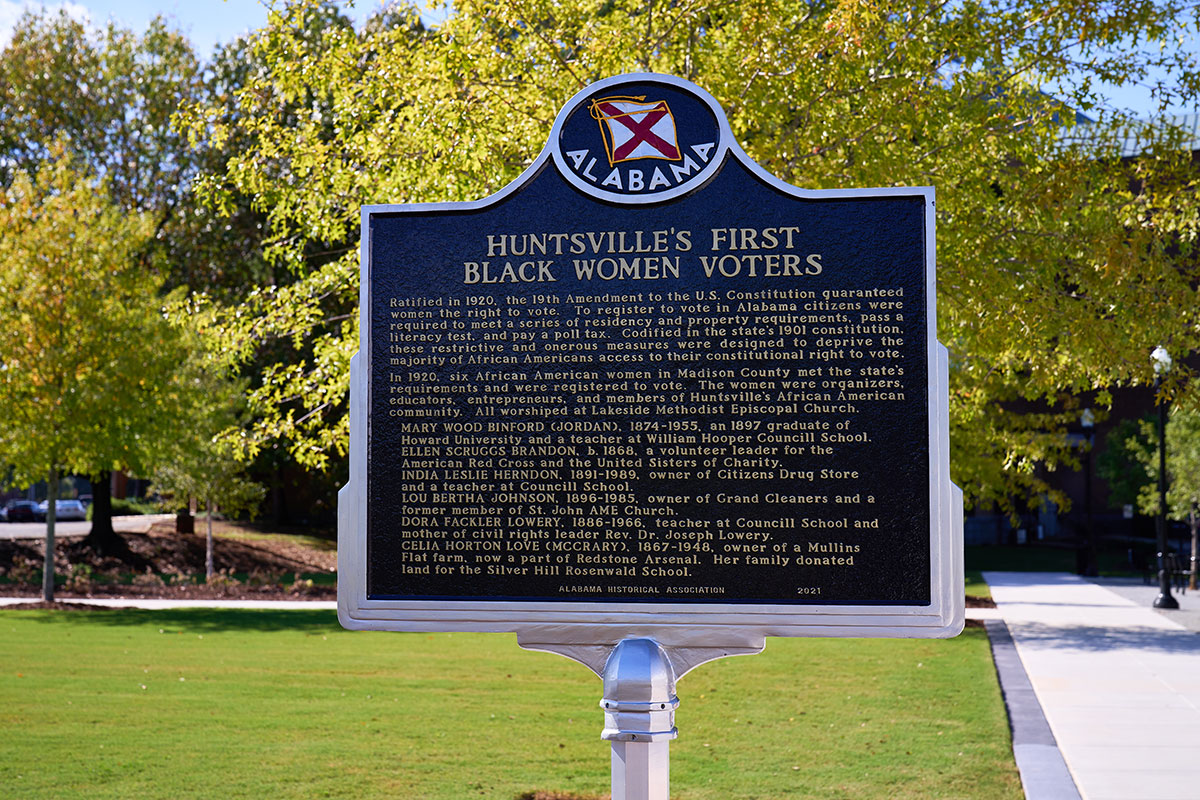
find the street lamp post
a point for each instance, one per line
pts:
(1091, 567)
(1162, 366)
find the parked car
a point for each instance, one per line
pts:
(64, 510)
(21, 511)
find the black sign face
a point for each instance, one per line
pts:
(649, 373)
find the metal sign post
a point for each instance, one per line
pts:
(648, 405)
(639, 719)
(639, 699)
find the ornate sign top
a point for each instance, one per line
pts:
(639, 139)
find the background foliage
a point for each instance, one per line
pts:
(1061, 260)
(101, 238)
(90, 375)
(1131, 463)
(1061, 263)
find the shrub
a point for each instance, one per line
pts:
(25, 572)
(222, 579)
(261, 577)
(124, 507)
(148, 578)
(302, 586)
(80, 578)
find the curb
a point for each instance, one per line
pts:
(1044, 773)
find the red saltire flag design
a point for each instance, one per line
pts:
(633, 129)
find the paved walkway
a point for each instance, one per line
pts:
(63, 529)
(1117, 681)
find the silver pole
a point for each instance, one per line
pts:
(639, 719)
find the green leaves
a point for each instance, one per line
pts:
(89, 367)
(1137, 446)
(1060, 262)
(109, 95)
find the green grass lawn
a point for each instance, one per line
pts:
(252, 704)
(236, 531)
(976, 586)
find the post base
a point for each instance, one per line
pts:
(1165, 601)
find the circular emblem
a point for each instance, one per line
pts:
(639, 138)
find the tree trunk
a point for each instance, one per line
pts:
(276, 495)
(51, 518)
(208, 547)
(102, 538)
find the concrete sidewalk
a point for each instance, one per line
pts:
(65, 529)
(1118, 682)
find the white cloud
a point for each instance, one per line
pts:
(11, 10)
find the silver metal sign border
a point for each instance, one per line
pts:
(559, 626)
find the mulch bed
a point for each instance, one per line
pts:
(239, 591)
(162, 551)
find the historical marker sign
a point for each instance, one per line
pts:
(646, 388)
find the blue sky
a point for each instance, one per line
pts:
(208, 22)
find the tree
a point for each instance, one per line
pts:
(1061, 262)
(306, 357)
(1122, 465)
(108, 97)
(1183, 469)
(89, 366)
(215, 478)
(200, 466)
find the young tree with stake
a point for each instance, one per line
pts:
(88, 362)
